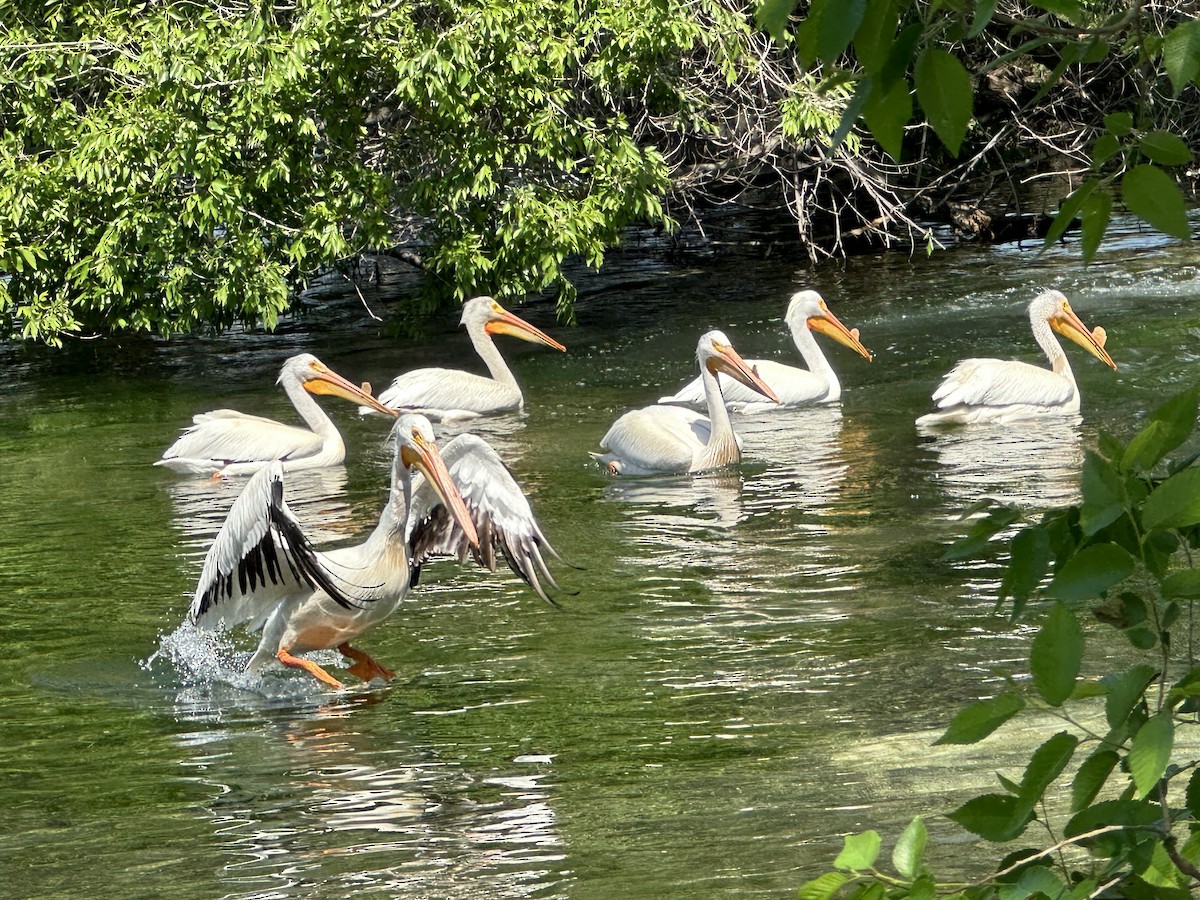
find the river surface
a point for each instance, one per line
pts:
(746, 666)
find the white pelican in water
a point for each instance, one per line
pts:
(261, 570)
(661, 438)
(227, 442)
(446, 394)
(818, 383)
(997, 390)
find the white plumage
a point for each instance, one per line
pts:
(262, 572)
(227, 442)
(996, 390)
(807, 311)
(657, 439)
(447, 394)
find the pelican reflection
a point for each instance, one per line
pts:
(1035, 468)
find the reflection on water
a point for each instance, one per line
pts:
(751, 663)
(1033, 465)
(405, 823)
(804, 457)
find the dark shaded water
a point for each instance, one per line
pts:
(750, 664)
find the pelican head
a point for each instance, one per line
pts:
(318, 378)
(486, 313)
(1054, 308)
(716, 354)
(807, 309)
(416, 449)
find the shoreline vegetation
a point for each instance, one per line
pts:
(179, 167)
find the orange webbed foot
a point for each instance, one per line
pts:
(308, 666)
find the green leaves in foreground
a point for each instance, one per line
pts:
(1117, 555)
(945, 93)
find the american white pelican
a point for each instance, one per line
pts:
(261, 570)
(227, 442)
(661, 438)
(806, 312)
(445, 394)
(997, 390)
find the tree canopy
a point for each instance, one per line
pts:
(175, 165)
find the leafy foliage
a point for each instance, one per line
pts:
(174, 165)
(1125, 557)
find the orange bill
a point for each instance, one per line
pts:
(504, 322)
(1072, 328)
(830, 324)
(425, 457)
(323, 380)
(729, 362)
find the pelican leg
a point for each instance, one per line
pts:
(364, 666)
(308, 666)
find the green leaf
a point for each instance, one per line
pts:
(1069, 10)
(1093, 772)
(852, 111)
(772, 17)
(981, 718)
(1169, 426)
(1128, 813)
(1091, 572)
(984, 10)
(1105, 148)
(1119, 124)
(859, 851)
(1056, 655)
(1181, 54)
(837, 22)
(1067, 212)
(1152, 196)
(1192, 794)
(873, 40)
(1165, 148)
(1125, 691)
(1182, 585)
(1151, 751)
(886, 115)
(1037, 881)
(981, 532)
(1103, 494)
(944, 90)
(1029, 557)
(909, 855)
(1097, 210)
(1046, 764)
(823, 887)
(995, 817)
(1175, 503)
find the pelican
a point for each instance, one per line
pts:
(806, 312)
(996, 390)
(226, 442)
(448, 394)
(661, 438)
(261, 570)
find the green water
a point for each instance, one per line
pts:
(747, 665)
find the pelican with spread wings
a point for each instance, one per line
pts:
(262, 572)
(227, 442)
(1003, 390)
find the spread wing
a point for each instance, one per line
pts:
(229, 436)
(497, 506)
(997, 382)
(259, 558)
